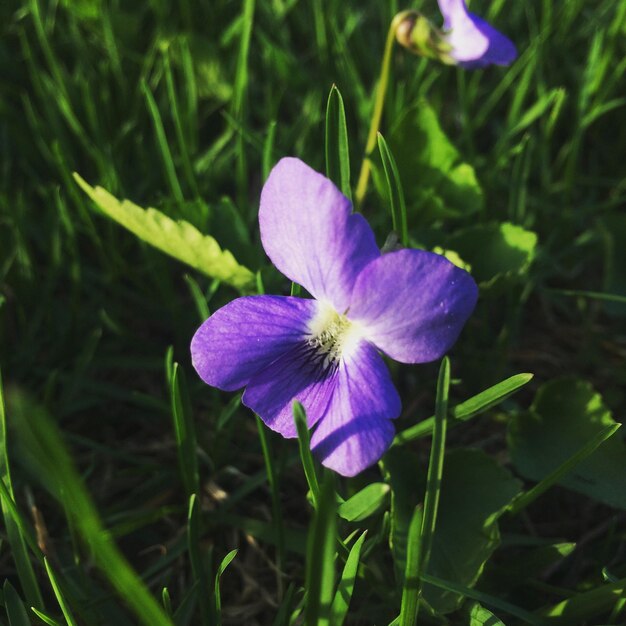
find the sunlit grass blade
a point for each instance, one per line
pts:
(65, 609)
(411, 585)
(166, 154)
(46, 619)
(14, 606)
(488, 600)
(394, 191)
(179, 239)
(218, 598)
(337, 150)
(320, 560)
(198, 562)
(44, 449)
(16, 532)
(306, 457)
(480, 403)
(431, 498)
(365, 502)
(524, 499)
(184, 430)
(343, 595)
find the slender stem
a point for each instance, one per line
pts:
(379, 104)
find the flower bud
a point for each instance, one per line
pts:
(417, 34)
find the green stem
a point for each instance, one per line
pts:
(379, 104)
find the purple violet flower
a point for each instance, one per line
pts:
(474, 42)
(325, 352)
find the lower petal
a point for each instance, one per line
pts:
(247, 334)
(293, 376)
(356, 428)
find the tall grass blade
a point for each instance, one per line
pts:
(395, 191)
(337, 150)
(65, 609)
(198, 563)
(14, 606)
(304, 443)
(343, 595)
(411, 585)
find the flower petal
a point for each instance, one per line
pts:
(247, 334)
(413, 304)
(310, 233)
(356, 428)
(293, 376)
(475, 43)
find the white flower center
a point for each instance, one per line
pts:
(332, 334)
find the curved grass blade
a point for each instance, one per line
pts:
(343, 595)
(17, 533)
(304, 444)
(337, 150)
(395, 191)
(179, 239)
(465, 411)
(45, 451)
(524, 499)
(65, 609)
(218, 598)
(320, 561)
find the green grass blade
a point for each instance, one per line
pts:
(411, 585)
(476, 405)
(304, 443)
(166, 154)
(343, 595)
(17, 533)
(46, 619)
(14, 606)
(65, 609)
(320, 562)
(179, 239)
(218, 598)
(184, 430)
(46, 452)
(198, 564)
(394, 190)
(491, 601)
(365, 502)
(524, 499)
(337, 150)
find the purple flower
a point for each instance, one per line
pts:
(325, 352)
(474, 42)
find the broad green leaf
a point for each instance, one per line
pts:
(436, 181)
(476, 485)
(496, 252)
(179, 239)
(565, 416)
(365, 503)
(480, 616)
(343, 595)
(337, 151)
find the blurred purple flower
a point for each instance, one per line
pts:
(474, 42)
(409, 304)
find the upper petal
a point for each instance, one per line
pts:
(247, 334)
(475, 43)
(310, 233)
(293, 376)
(413, 304)
(356, 429)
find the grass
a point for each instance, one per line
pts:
(136, 481)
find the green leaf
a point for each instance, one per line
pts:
(67, 613)
(395, 192)
(343, 595)
(412, 584)
(565, 416)
(198, 562)
(480, 616)
(468, 409)
(218, 598)
(179, 239)
(436, 182)
(337, 151)
(304, 445)
(365, 503)
(14, 606)
(475, 484)
(496, 252)
(320, 561)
